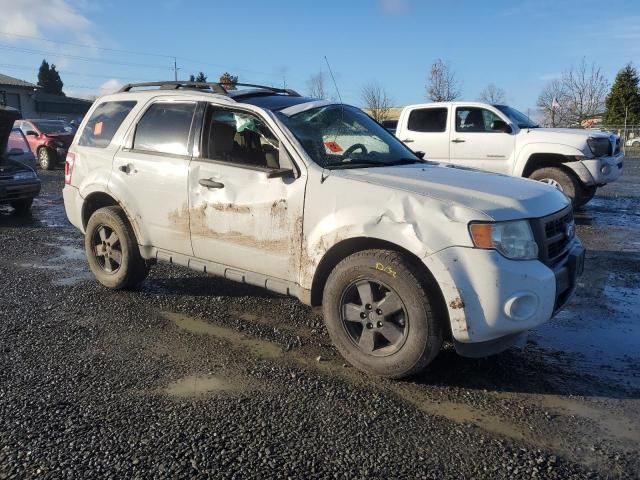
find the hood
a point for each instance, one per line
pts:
(571, 136)
(8, 115)
(10, 167)
(498, 196)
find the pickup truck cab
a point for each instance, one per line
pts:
(316, 200)
(500, 139)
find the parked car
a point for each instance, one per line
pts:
(633, 142)
(390, 125)
(257, 185)
(19, 183)
(500, 139)
(18, 148)
(49, 140)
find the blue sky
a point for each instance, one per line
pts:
(518, 46)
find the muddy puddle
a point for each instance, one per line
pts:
(610, 211)
(194, 386)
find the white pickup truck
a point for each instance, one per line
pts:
(500, 139)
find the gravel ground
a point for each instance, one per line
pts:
(193, 376)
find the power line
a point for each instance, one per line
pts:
(104, 49)
(68, 72)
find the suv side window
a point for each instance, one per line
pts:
(475, 119)
(428, 120)
(240, 138)
(104, 123)
(165, 127)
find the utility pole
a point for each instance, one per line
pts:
(175, 69)
(624, 140)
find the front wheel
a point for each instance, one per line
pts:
(112, 250)
(45, 158)
(380, 315)
(562, 180)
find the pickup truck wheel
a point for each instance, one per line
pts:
(112, 250)
(380, 316)
(586, 195)
(45, 158)
(22, 206)
(563, 181)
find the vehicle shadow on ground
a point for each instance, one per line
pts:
(200, 285)
(13, 219)
(534, 371)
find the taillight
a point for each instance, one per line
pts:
(68, 167)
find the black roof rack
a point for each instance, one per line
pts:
(210, 86)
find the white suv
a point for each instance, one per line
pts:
(314, 199)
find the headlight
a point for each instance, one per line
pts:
(599, 146)
(512, 239)
(25, 176)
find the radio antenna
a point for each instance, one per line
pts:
(335, 84)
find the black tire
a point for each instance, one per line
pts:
(562, 180)
(114, 260)
(390, 278)
(22, 207)
(586, 194)
(46, 158)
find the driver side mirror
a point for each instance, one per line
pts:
(31, 133)
(420, 155)
(501, 126)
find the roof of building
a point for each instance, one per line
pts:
(50, 98)
(6, 80)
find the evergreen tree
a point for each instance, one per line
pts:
(49, 79)
(201, 77)
(228, 81)
(624, 98)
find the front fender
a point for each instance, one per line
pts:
(542, 148)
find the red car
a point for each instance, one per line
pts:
(49, 140)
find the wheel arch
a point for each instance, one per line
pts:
(343, 249)
(537, 161)
(99, 199)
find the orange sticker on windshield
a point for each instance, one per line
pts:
(333, 146)
(97, 129)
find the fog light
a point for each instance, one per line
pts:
(606, 169)
(521, 306)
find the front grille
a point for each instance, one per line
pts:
(554, 233)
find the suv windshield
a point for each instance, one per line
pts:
(517, 117)
(341, 136)
(53, 126)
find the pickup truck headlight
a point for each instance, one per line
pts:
(25, 176)
(599, 146)
(512, 239)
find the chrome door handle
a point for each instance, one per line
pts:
(458, 140)
(407, 140)
(210, 183)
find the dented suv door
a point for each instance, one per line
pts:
(245, 211)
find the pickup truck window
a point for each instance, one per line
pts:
(474, 119)
(517, 117)
(103, 123)
(164, 128)
(240, 138)
(428, 120)
(341, 136)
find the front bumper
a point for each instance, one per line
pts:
(492, 300)
(599, 171)
(12, 191)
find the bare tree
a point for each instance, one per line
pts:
(552, 103)
(492, 94)
(579, 94)
(377, 101)
(442, 86)
(586, 90)
(316, 86)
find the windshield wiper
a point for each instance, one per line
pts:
(363, 163)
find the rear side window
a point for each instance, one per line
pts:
(104, 123)
(428, 120)
(165, 128)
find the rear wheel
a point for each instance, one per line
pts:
(22, 206)
(380, 316)
(45, 158)
(563, 181)
(112, 250)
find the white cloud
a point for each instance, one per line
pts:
(110, 86)
(34, 17)
(394, 7)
